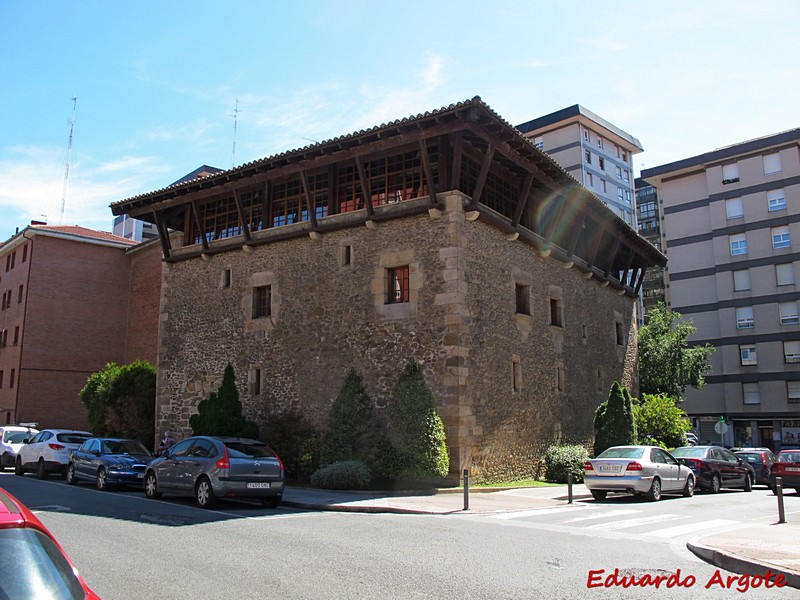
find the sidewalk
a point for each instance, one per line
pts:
(750, 550)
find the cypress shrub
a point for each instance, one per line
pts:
(613, 421)
(343, 475)
(221, 412)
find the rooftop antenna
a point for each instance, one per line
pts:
(235, 124)
(69, 154)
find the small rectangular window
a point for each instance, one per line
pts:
(586, 134)
(772, 163)
(751, 393)
(523, 299)
(741, 280)
(226, 278)
(589, 180)
(19, 295)
(599, 142)
(13, 258)
(788, 312)
(744, 317)
(793, 391)
(784, 274)
(11, 380)
(25, 253)
(516, 374)
(1, 379)
(747, 354)
(601, 163)
(791, 352)
(603, 185)
(781, 237)
(776, 200)
(730, 173)
(619, 172)
(620, 337)
(555, 312)
(262, 301)
(738, 244)
(733, 208)
(347, 254)
(588, 156)
(538, 141)
(16, 335)
(255, 381)
(397, 290)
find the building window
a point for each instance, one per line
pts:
(516, 374)
(747, 355)
(780, 237)
(619, 172)
(793, 391)
(788, 312)
(560, 378)
(586, 134)
(13, 258)
(538, 141)
(397, 285)
(4, 338)
(589, 180)
(584, 332)
(772, 163)
(599, 385)
(738, 244)
(262, 301)
(523, 299)
(619, 194)
(603, 185)
(744, 317)
(599, 142)
(1, 379)
(226, 278)
(25, 253)
(730, 173)
(625, 176)
(12, 378)
(601, 162)
(791, 352)
(776, 199)
(19, 295)
(784, 274)
(733, 208)
(588, 155)
(618, 333)
(16, 335)
(556, 318)
(741, 280)
(750, 393)
(255, 381)
(347, 255)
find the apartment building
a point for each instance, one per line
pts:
(594, 151)
(73, 299)
(731, 231)
(649, 224)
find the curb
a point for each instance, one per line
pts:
(366, 509)
(737, 564)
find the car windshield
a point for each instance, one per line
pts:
(792, 457)
(752, 457)
(33, 567)
(72, 438)
(244, 450)
(124, 447)
(622, 453)
(689, 452)
(15, 437)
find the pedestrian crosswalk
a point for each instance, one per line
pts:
(596, 519)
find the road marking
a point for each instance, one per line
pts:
(689, 528)
(628, 523)
(611, 513)
(542, 511)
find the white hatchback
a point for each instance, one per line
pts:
(11, 440)
(48, 451)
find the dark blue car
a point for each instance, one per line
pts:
(109, 461)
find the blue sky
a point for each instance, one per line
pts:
(157, 82)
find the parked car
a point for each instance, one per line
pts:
(715, 468)
(760, 459)
(11, 439)
(691, 439)
(787, 467)
(34, 565)
(109, 461)
(209, 468)
(647, 470)
(48, 451)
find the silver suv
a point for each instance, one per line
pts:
(11, 439)
(209, 468)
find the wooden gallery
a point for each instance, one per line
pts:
(448, 238)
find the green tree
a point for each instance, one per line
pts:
(351, 431)
(667, 363)
(613, 421)
(417, 429)
(120, 401)
(221, 412)
(659, 421)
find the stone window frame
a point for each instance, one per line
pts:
(379, 285)
(346, 257)
(555, 307)
(522, 299)
(267, 322)
(397, 284)
(226, 278)
(261, 302)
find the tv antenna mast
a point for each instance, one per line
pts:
(236, 112)
(69, 154)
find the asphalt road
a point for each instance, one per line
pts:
(129, 547)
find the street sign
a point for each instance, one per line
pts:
(721, 427)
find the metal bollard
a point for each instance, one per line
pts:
(569, 487)
(779, 493)
(466, 489)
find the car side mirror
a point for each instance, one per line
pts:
(26, 440)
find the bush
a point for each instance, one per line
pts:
(221, 412)
(613, 421)
(344, 475)
(560, 460)
(295, 439)
(660, 422)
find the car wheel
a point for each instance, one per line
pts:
(3, 461)
(272, 502)
(71, 480)
(688, 489)
(748, 483)
(654, 495)
(102, 479)
(599, 494)
(715, 485)
(41, 470)
(18, 470)
(204, 493)
(797, 490)
(151, 486)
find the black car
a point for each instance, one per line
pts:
(109, 461)
(761, 460)
(716, 468)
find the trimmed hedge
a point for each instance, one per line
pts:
(560, 460)
(344, 475)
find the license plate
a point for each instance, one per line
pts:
(140, 476)
(258, 485)
(610, 469)
(793, 469)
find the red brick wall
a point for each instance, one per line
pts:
(145, 298)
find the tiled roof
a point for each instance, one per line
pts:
(77, 230)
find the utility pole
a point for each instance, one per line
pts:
(69, 154)
(235, 124)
